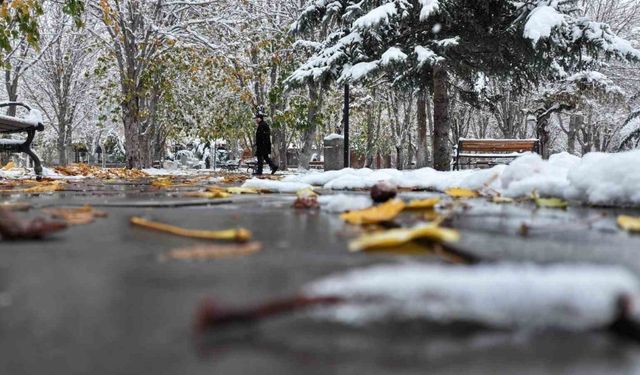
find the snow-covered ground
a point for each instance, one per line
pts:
(597, 178)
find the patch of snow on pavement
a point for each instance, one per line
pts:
(574, 297)
(343, 202)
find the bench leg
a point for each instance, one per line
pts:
(26, 148)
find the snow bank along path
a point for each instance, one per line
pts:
(573, 297)
(597, 178)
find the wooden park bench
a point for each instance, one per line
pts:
(11, 125)
(491, 149)
(316, 164)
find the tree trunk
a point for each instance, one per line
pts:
(309, 132)
(421, 154)
(571, 134)
(441, 121)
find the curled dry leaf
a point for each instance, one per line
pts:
(629, 223)
(306, 198)
(15, 206)
(204, 252)
(423, 204)
(12, 228)
(75, 216)
(461, 193)
(397, 237)
(238, 235)
(376, 214)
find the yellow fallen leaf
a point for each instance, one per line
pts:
(629, 223)
(376, 214)
(162, 182)
(47, 187)
(551, 202)
(242, 190)
(207, 194)
(10, 165)
(433, 216)
(461, 193)
(498, 199)
(306, 193)
(238, 235)
(204, 252)
(423, 204)
(397, 237)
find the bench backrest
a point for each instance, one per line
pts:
(10, 124)
(497, 145)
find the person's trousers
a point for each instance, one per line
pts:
(261, 160)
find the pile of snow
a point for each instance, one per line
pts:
(19, 173)
(276, 186)
(597, 178)
(34, 117)
(575, 297)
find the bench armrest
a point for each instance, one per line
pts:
(14, 104)
(39, 127)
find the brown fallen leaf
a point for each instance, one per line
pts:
(238, 235)
(306, 199)
(15, 206)
(75, 216)
(376, 214)
(98, 172)
(12, 228)
(204, 252)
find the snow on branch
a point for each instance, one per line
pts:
(428, 8)
(377, 16)
(541, 22)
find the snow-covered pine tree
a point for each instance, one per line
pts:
(423, 42)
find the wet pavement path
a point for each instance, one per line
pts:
(97, 299)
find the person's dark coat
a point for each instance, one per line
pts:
(263, 139)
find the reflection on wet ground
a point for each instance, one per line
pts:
(96, 299)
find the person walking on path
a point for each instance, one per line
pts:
(263, 145)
